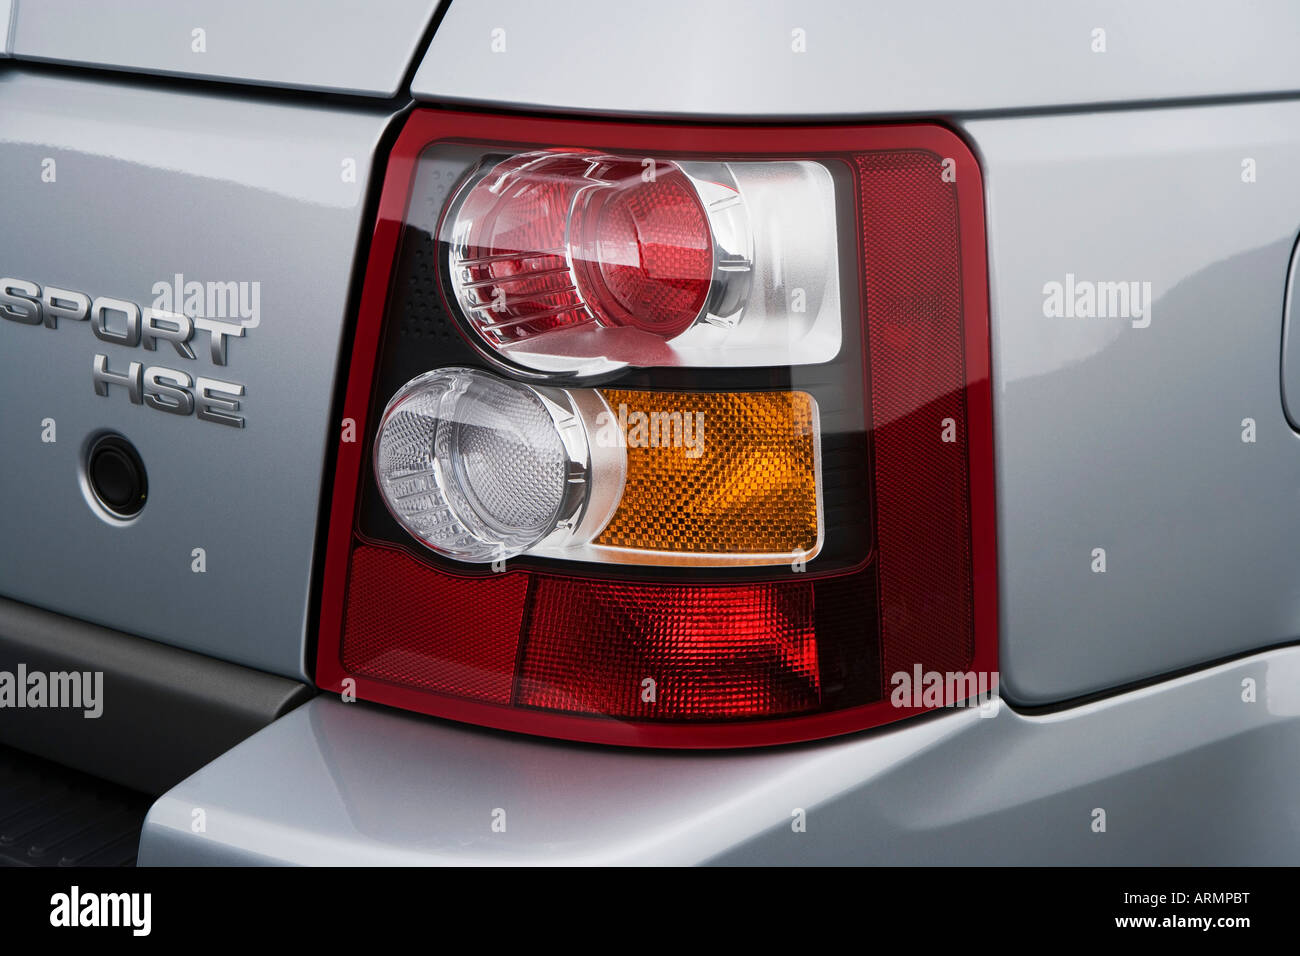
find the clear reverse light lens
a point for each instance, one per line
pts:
(479, 468)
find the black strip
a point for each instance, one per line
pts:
(206, 85)
(422, 48)
(1038, 710)
(882, 117)
(165, 712)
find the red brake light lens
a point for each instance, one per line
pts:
(557, 239)
(580, 262)
(644, 252)
(816, 320)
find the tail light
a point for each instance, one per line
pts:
(581, 261)
(667, 436)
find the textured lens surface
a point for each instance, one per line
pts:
(510, 460)
(922, 488)
(713, 652)
(648, 254)
(470, 464)
(549, 241)
(509, 265)
(410, 625)
(717, 472)
(587, 647)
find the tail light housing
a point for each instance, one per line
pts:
(666, 436)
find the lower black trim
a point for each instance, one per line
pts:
(165, 712)
(53, 816)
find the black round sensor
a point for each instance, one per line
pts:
(116, 475)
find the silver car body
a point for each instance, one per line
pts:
(1159, 150)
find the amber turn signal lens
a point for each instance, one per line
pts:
(717, 473)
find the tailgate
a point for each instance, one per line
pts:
(245, 215)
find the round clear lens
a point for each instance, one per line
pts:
(472, 465)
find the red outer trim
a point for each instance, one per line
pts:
(425, 127)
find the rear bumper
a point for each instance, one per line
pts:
(1186, 770)
(162, 712)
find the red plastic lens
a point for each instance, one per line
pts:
(670, 652)
(917, 347)
(433, 631)
(645, 256)
(559, 239)
(634, 651)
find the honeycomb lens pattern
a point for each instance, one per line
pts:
(448, 635)
(912, 250)
(647, 257)
(726, 473)
(470, 464)
(668, 652)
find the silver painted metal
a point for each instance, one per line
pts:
(1123, 433)
(335, 783)
(335, 45)
(1126, 433)
(742, 58)
(154, 183)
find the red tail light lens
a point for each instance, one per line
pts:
(556, 239)
(579, 261)
(644, 252)
(692, 652)
(805, 310)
